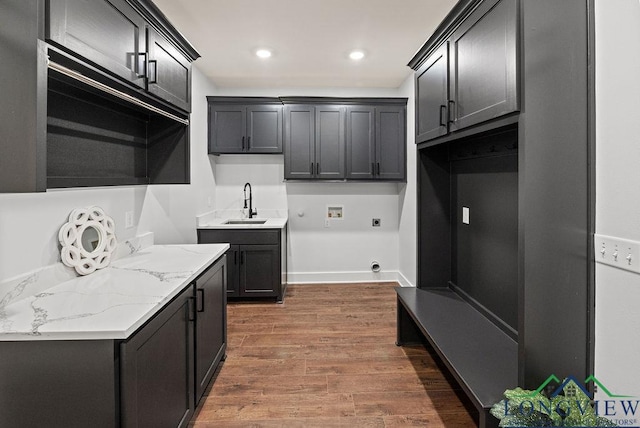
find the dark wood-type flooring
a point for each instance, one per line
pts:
(327, 358)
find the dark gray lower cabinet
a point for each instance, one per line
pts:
(211, 327)
(256, 260)
(153, 379)
(157, 369)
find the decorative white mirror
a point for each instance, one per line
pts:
(87, 240)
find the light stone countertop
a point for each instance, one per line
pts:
(111, 303)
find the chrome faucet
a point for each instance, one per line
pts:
(252, 212)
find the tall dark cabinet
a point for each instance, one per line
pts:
(505, 177)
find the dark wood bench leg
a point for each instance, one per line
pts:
(407, 331)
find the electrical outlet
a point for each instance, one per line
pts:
(327, 222)
(618, 252)
(128, 219)
(375, 222)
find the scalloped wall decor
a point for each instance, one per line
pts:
(88, 240)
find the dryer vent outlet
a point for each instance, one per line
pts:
(375, 266)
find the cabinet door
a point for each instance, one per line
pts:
(259, 270)
(211, 328)
(109, 33)
(264, 129)
(330, 147)
(168, 71)
(432, 95)
(233, 269)
(227, 124)
(483, 81)
(157, 369)
(361, 153)
(299, 140)
(390, 143)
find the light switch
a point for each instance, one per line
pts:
(465, 215)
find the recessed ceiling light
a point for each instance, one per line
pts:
(263, 53)
(356, 55)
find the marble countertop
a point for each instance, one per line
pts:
(111, 303)
(273, 219)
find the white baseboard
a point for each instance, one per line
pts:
(346, 277)
(403, 281)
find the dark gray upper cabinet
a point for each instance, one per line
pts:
(109, 33)
(116, 37)
(483, 81)
(344, 138)
(299, 141)
(264, 129)
(245, 125)
(376, 143)
(314, 142)
(168, 71)
(211, 325)
(391, 162)
(361, 142)
(432, 95)
(104, 90)
(471, 76)
(329, 142)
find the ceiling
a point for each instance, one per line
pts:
(310, 39)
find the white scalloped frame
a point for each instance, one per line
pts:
(73, 254)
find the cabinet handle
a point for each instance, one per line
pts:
(373, 168)
(141, 64)
(311, 168)
(201, 291)
(378, 168)
(242, 143)
(153, 80)
(452, 106)
(235, 257)
(443, 108)
(318, 168)
(249, 143)
(190, 309)
(241, 257)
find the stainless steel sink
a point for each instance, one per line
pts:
(245, 221)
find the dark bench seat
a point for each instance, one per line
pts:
(482, 358)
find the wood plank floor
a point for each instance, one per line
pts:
(327, 358)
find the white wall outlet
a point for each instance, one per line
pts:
(618, 252)
(128, 219)
(327, 222)
(209, 201)
(465, 215)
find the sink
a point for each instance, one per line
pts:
(245, 221)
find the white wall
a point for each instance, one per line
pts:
(29, 222)
(408, 195)
(617, 189)
(170, 210)
(341, 252)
